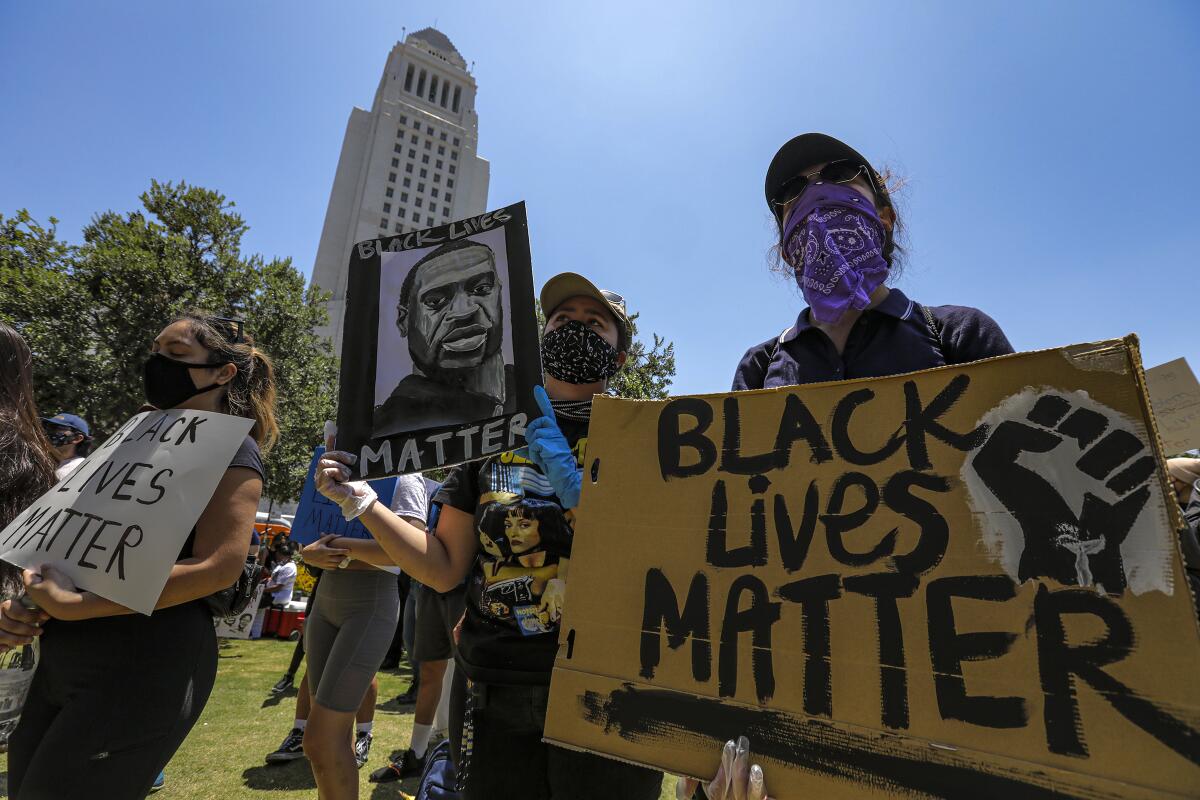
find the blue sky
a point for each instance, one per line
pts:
(1050, 148)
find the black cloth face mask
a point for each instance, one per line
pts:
(169, 383)
(574, 353)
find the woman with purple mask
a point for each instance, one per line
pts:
(837, 236)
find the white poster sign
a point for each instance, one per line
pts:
(117, 523)
(238, 626)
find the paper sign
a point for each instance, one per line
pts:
(317, 515)
(117, 523)
(238, 626)
(441, 351)
(957, 583)
(1175, 396)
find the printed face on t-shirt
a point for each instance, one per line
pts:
(522, 532)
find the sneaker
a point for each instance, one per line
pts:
(283, 684)
(407, 766)
(408, 698)
(159, 782)
(362, 747)
(291, 749)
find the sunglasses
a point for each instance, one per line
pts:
(615, 299)
(235, 329)
(842, 171)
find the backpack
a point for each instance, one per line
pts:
(438, 778)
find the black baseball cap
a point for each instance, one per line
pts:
(804, 151)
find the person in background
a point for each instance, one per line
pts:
(117, 692)
(283, 575)
(292, 747)
(351, 626)
(289, 677)
(1185, 480)
(27, 464)
(506, 526)
(837, 229)
(436, 616)
(72, 441)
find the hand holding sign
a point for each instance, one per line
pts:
(333, 479)
(736, 778)
(550, 450)
(53, 591)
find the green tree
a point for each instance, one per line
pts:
(90, 311)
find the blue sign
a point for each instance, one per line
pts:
(317, 515)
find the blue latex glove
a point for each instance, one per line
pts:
(549, 449)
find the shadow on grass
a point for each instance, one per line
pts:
(275, 699)
(389, 791)
(393, 706)
(268, 777)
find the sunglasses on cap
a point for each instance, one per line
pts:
(841, 171)
(615, 299)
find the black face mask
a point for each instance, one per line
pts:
(60, 437)
(574, 353)
(168, 382)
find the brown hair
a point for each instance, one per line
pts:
(893, 252)
(27, 461)
(251, 393)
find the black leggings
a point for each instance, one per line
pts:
(111, 702)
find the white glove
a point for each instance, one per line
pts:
(333, 479)
(736, 778)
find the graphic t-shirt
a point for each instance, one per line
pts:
(517, 583)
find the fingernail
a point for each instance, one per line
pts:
(756, 776)
(743, 745)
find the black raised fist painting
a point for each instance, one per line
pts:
(1061, 484)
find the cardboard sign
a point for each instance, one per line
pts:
(116, 524)
(317, 515)
(441, 351)
(1175, 396)
(238, 626)
(963, 582)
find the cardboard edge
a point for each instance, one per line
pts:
(1114, 344)
(1175, 518)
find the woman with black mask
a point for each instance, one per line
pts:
(117, 692)
(506, 525)
(837, 230)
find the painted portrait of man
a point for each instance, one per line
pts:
(450, 316)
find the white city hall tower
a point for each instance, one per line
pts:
(408, 163)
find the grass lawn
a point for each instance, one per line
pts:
(223, 756)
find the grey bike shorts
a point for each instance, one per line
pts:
(347, 636)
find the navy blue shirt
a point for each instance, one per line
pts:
(890, 339)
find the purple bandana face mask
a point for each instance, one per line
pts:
(833, 238)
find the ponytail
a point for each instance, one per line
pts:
(252, 392)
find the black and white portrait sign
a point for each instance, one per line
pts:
(440, 349)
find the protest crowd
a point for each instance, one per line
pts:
(465, 570)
